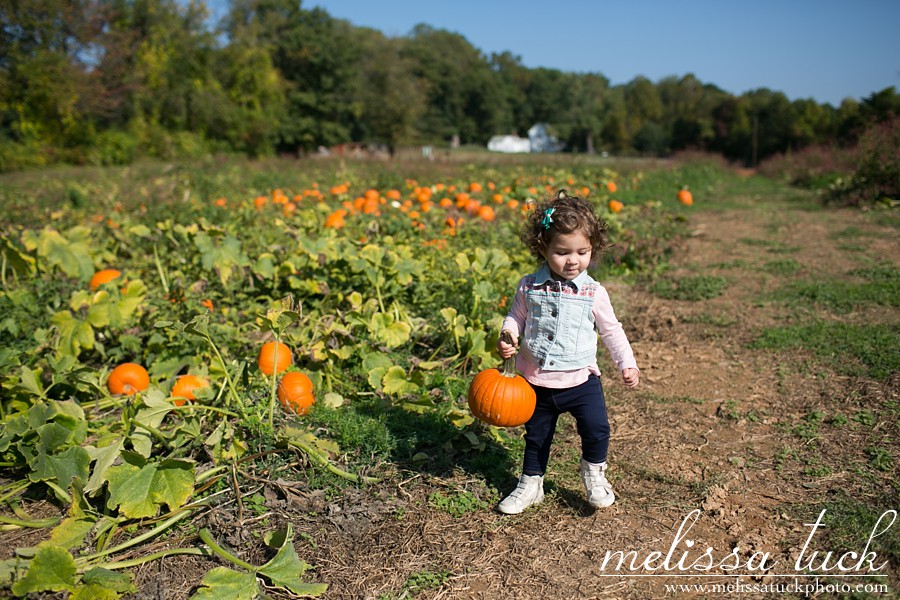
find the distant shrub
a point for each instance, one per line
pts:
(814, 167)
(857, 176)
(15, 156)
(876, 174)
(113, 148)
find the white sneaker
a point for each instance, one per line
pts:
(599, 491)
(530, 490)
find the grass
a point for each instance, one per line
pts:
(372, 433)
(847, 525)
(692, 288)
(880, 286)
(874, 349)
(782, 268)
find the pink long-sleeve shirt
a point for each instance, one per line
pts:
(605, 324)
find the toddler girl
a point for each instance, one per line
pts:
(558, 311)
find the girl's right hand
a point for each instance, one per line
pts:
(506, 350)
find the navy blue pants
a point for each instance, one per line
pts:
(586, 403)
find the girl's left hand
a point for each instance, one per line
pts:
(631, 377)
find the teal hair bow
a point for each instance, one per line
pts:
(547, 218)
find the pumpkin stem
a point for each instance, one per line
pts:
(509, 364)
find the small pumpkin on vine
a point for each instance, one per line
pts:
(103, 276)
(128, 379)
(183, 390)
(295, 392)
(272, 352)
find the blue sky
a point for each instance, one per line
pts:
(826, 50)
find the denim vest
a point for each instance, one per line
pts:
(559, 326)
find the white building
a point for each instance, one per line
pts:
(509, 143)
(538, 140)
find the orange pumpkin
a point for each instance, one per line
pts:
(615, 206)
(104, 276)
(267, 358)
(502, 397)
(611, 186)
(685, 197)
(295, 392)
(486, 213)
(184, 387)
(128, 379)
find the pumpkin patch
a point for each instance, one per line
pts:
(374, 295)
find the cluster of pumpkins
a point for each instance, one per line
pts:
(498, 396)
(295, 389)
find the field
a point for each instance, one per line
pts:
(766, 326)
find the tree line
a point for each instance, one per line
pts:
(104, 81)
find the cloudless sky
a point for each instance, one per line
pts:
(826, 50)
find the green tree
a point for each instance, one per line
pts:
(584, 120)
(464, 97)
(643, 104)
(389, 97)
(732, 130)
(512, 78)
(45, 51)
(614, 134)
(688, 106)
(317, 57)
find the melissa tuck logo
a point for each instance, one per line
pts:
(686, 557)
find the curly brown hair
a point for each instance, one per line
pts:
(568, 214)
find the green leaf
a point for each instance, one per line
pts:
(54, 436)
(94, 591)
(28, 381)
(139, 490)
(286, 568)
(103, 459)
(462, 261)
(407, 270)
(140, 230)
(222, 583)
(16, 261)
(221, 254)
(74, 528)
(428, 365)
(396, 383)
(376, 376)
(373, 360)
(75, 335)
(155, 409)
(51, 570)
(333, 400)
(109, 580)
(12, 569)
(265, 265)
(131, 298)
(72, 257)
(61, 468)
(389, 332)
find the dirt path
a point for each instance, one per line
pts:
(709, 442)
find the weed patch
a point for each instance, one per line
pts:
(692, 288)
(875, 347)
(457, 504)
(881, 287)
